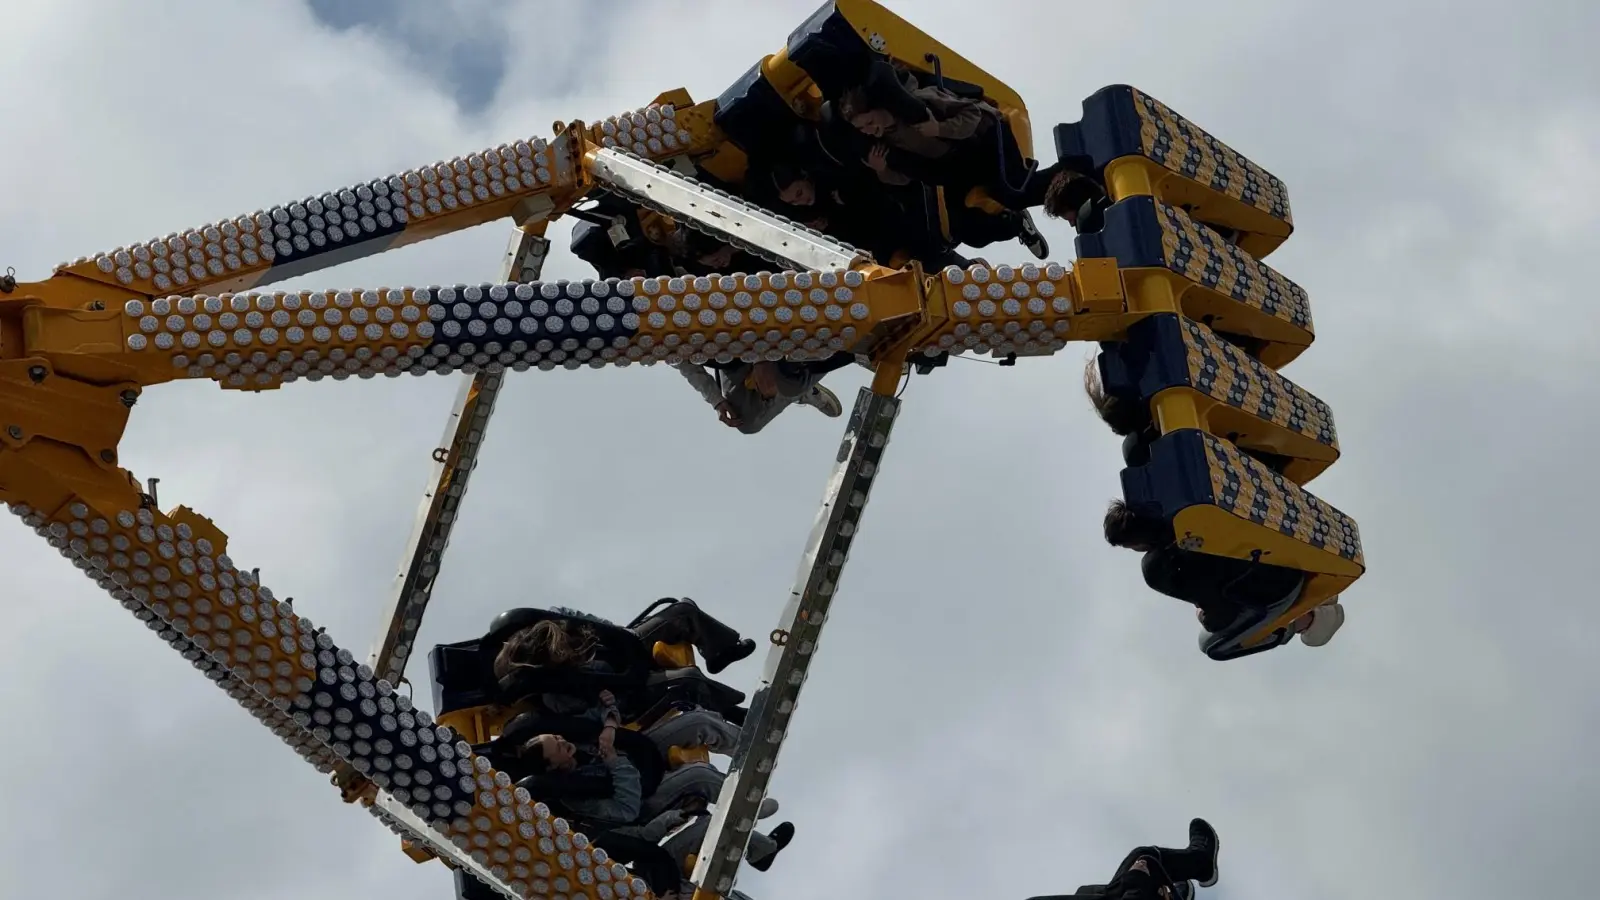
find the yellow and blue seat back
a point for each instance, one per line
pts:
(1170, 262)
(1172, 361)
(1208, 326)
(1140, 147)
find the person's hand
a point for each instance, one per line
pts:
(878, 158)
(608, 699)
(608, 743)
(927, 128)
(765, 375)
(729, 417)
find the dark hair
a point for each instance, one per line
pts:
(1124, 417)
(1252, 346)
(1126, 528)
(531, 756)
(785, 174)
(1067, 193)
(855, 101)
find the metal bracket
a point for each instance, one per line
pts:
(716, 212)
(794, 643)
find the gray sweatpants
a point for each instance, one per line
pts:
(695, 728)
(699, 780)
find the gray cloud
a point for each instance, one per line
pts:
(1000, 706)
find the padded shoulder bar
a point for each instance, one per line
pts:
(755, 117)
(1236, 397)
(1211, 280)
(1143, 148)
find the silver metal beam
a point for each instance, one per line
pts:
(452, 466)
(716, 212)
(403, 822)
(794, 643)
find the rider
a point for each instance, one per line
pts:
(1132, 421)
(943, 139)
(1223, 589)
(570, 643)
(795, 193)
(1160, 873)
(625, 811)
(748, 396)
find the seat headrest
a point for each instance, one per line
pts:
(589, 239)
(512, 621)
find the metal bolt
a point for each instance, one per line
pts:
(129, 398)
(109, 456)
(36, 374)
(14, 432)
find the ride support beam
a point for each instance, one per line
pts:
(453, 463)
(793, 644)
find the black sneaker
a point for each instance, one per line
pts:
(1203, 837)
(781, 836)
(1183, 890)
(736, 653)
(1032, 239)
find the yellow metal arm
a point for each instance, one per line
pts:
(172, 571)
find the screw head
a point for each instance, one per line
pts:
(36, 374)
(14, 431)
(109, 456)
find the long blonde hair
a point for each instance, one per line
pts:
(548, 643)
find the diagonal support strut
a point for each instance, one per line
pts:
(453, 465)
(794, 644)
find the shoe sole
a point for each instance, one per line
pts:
(1216, 853)
(825, 402)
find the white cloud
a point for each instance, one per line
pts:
(1000, 705)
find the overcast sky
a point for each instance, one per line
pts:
(1001, 708)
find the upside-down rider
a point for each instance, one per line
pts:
(1160, 873)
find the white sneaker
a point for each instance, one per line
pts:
(1325, 622)
(822, 400)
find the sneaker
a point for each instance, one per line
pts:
(781, 836)
(1032, 239)
(1183, 890)
(768, 808)
(822, 400)
(736, 653)
(1325, 622)
(1203, 837)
